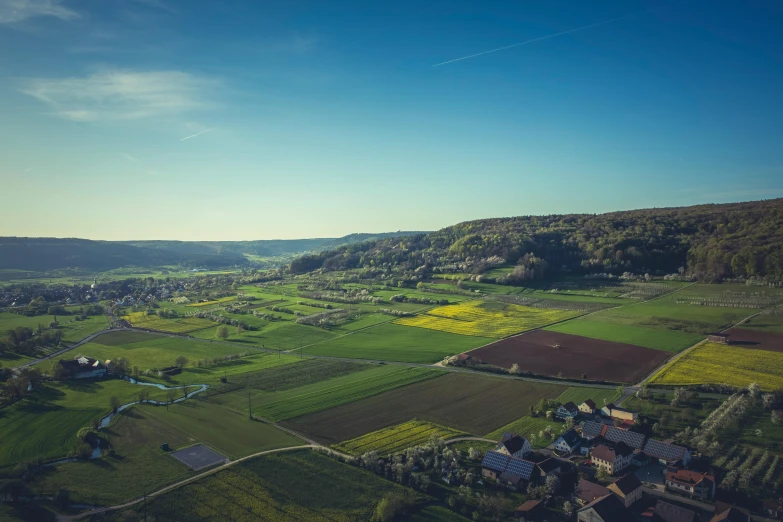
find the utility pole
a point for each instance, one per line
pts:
(249, 405)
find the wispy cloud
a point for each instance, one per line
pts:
(120, 95)
(131, 157)
(17, 10)
(582, 28)
(197, 134)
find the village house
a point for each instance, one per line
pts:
(587, 492)
(568, 441)
(592, 429)
(83, 368)
(568, 409)
(631, 438)
(513, 472)
(613, 458)
(728, 513)
(514, 446)
(604, 509)
(667, 453)
(693, 483)
(628, 489)
(546, 468)
(666, 512)
(615, 412)
(588, 407)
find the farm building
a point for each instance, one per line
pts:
(700, 485)
(628, 489)
(774, 508)
(718, 338)
(83, 368)
(529, 510)
(588, 407)
(728, 513)
(604, 509)
(587, 492)
(666, 452)
(568, 441)
(666, 512)
(616, 412)
(514, 446)
(568, 409)
(511, 471)
(612, 457)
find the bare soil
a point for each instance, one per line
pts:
(576, 357)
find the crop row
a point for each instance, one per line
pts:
(323, 397)
(398, 437)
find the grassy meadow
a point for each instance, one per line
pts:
(310, 398)
(298, 485)
(45, 422)
(394, 342)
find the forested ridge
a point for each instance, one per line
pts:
(715, 241)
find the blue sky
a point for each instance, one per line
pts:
(326, 118)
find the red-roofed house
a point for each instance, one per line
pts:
(701, 485)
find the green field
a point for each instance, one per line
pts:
(299, 485)
(664, 323)
(285, 335)
(176, 325)
(72, 329)
(44, 423)
(228, 432)
(393, 342)
(397, 438)
(527, 427)
(148, 351)
(288, 376)
(658, 339)
(318, 396)
(765, 322)
(138, 464)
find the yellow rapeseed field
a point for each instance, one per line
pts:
(714, 363)
(486, 318)
(180, 325)
(397, 438)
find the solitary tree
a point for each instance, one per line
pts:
(222, 332)
(170, 395)
(114, 402)
(180, 361)
(514, 369)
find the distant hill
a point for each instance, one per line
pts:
(43, 254)
(706, 241)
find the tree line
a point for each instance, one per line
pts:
(708, 242)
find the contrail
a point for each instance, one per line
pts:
(197, 134)
(545, 37)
